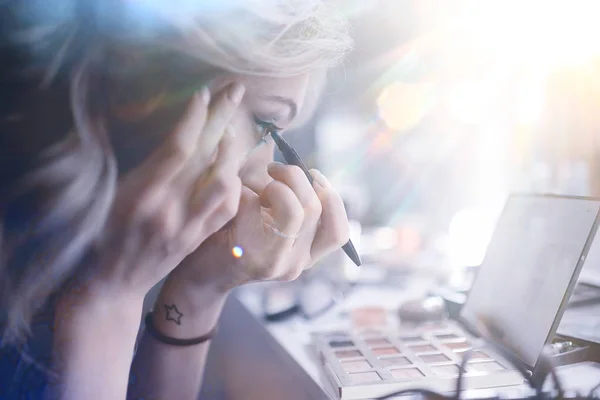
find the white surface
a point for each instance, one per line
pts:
(529, 264)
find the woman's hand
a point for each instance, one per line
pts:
(183, 193)
(276, 234)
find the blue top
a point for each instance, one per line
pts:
(24, 369)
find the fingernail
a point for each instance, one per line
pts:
(274, 164)
(205, 95)
(236, 92)
(319, 178)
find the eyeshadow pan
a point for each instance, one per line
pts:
(385, 350)
(341, 343)
(365, 377)
(356, 366)
(458, 346)
(478, 355)
(487, 366)
(394, 361)
(339, 335)
(411, 338)
(430, 358)
(370, 331)
(446, 370)
(448, 336)
(377, 341)
(422, 348)
(368, 316)
(406, 373)
(348, 353)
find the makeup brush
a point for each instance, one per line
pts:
(292, 158)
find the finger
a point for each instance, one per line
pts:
(220, 179)
(212, 191)
(220, 113)
(295, 179)
(198, 230)
(215, 203)
(227, 158)
(333, 231)
(254, 170)
(284, 207)
(171, 157)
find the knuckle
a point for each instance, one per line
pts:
(146, 199)
(230, 208)
(163, 220)
(314, 206)
(157, 223)
(149, 203)
(225, 184)
(219, 187)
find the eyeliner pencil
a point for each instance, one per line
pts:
(292, 157)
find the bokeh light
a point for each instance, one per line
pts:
(237, 251)
(469, 234)
(402, 105)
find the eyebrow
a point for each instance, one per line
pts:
(286, 101)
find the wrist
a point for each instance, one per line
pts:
(184, 310)
(97, 305)
(93, 341)
(85, 318)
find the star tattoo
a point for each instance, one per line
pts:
(173, 314)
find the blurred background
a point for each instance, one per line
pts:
(446, 107)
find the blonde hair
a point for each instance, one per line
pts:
(54, 209)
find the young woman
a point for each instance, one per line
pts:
(134, 146)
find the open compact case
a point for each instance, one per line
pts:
(373, 363)
(518, 298)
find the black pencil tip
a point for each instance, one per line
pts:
(351, 252)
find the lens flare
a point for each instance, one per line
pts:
(237, 251)
(402, 105)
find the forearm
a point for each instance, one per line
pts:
(162, 371)
(93, 345)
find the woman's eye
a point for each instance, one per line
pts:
(264, 128)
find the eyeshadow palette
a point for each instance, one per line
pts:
(373, 363)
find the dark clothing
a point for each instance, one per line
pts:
(25, 370)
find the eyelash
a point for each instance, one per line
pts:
(265, 128)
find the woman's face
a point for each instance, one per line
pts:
(267, 100)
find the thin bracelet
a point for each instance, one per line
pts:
(151, 329)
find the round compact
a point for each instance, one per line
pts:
(430, 308)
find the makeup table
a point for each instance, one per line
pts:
(251, 359)
(254, 359)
